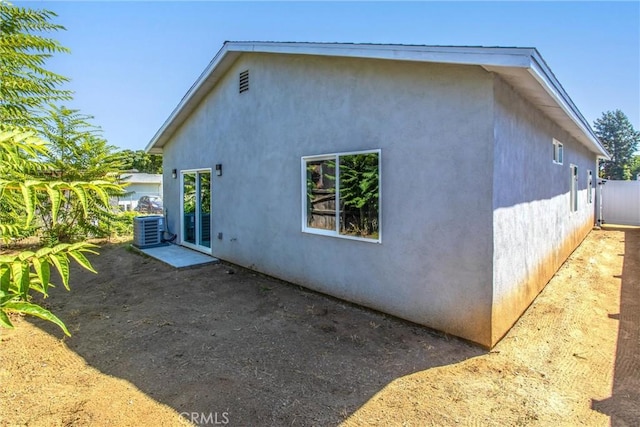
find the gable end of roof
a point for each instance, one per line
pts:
(538, 82)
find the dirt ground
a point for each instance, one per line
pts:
(219, 345)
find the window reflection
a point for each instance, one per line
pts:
(343, 194)
(359, 195)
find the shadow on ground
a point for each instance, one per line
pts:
(624, 404)
(215, 339)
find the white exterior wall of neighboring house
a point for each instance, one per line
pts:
(534, 227)
(139, 184)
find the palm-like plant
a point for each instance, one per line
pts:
(78, 153)
(25, 85)
(28, 185)
(26, 272)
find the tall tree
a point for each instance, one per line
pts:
(621, 141)
(77, 152)
(141, 161)
(25, 85)
(25, 88)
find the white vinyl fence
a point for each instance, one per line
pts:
(621, 202)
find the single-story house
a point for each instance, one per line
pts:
(442, 185)
(139, 184)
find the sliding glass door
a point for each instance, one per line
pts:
(196, 209)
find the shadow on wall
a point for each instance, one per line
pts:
(266, 352)
(624, 404)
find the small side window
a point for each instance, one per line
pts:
(589, 187)
(558, 152)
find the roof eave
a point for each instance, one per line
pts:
(492, 59)
(541, 72)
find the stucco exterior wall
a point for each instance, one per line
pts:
(434, 126)
(534, 227)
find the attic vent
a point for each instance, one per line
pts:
(244, 81)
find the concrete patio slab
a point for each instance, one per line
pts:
(178, 256)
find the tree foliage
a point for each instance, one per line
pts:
(621, 141)
(25, 85)
(16, 173)
(634, 167)
(77, 152)
(26, 272)
(141, 161)
(359, 193)
(29, 183)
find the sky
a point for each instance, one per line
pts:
(132, 62)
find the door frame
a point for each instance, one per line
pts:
(196, 247)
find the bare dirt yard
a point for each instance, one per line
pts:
(155, 346)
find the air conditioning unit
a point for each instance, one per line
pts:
(147, 231)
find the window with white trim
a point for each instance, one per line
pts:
(589, 187)
(558, 152)
(574, 188)
(341, 195)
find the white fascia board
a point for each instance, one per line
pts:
(541, 72)
(505, 57)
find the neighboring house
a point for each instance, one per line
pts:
(138, 185)
(463, 176)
